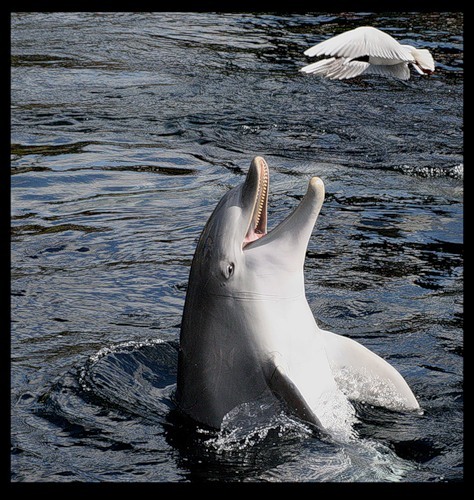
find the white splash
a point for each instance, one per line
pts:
(125, 346)
(363, 386)
(105, 351)
(337, 416)
(455, 172)
(250, 423)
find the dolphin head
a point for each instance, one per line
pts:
(237, 254)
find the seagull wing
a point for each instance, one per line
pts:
(401, 70)
(359, 42)
(337, 68)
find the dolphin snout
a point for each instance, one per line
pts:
(316, 187)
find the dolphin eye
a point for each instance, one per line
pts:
(227, 269)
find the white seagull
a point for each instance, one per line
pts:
(367, 50)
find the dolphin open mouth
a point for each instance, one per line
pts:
(295, 229)
(258, 220)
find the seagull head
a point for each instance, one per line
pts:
(423, 60)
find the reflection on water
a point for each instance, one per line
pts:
(127, 128)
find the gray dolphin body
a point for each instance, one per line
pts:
(247, 328)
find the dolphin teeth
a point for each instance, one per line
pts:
(261, 196)
(257, 225)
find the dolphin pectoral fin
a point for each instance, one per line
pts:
(364, 376)
(284, 389)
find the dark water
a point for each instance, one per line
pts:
(126, 131)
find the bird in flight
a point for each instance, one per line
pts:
(367, 50)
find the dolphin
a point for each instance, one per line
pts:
(247, 329)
